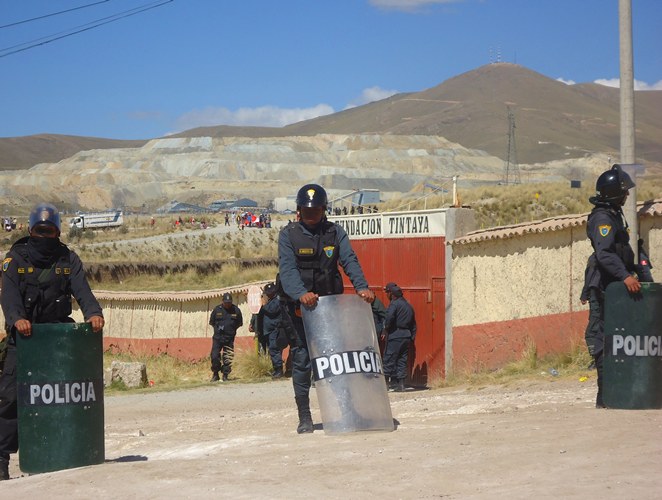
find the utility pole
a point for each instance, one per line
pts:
(628, 156)
(511, 173)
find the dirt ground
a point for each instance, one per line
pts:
(541, 439)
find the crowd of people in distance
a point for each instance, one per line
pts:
(250, 219)
(354, 209)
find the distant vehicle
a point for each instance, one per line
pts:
(98, 220)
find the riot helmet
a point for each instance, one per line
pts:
(44, 214)
(311, 196)
(270, 290)
(613, 185)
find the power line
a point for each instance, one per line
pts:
(52, 14)
(82, 28)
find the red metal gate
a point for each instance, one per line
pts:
(408, 248)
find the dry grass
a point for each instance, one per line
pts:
(229, 275)
(501, 205)
(168, 373)
(165, 373)
(573, 363)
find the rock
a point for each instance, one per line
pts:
(131, 374)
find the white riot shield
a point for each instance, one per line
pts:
(346, 365)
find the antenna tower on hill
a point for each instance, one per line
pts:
(511, 171)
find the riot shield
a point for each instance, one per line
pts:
(633, 347)
(346, 365)
(60, 397)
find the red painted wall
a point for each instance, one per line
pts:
(190, 349)
(492, 345)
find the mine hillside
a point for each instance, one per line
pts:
(459, 128)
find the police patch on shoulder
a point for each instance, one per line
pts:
(329, 251)
(604, 230)
(5, 264)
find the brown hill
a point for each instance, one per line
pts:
(18, 153)
(554, 121)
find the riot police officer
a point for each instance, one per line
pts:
(226, 319)
(612, 259)
(399, 332)
(39, 277)
(271, 311)
(309, 252)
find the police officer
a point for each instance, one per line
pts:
(271, 310)
(39, 277)
(309, 252)
(226, 319)
(399, 332)
(612, 258)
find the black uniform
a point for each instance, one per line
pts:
(400, 324)
(225, 323)
(308, 262)
(612, 260)
(271, 322)
(36, 286)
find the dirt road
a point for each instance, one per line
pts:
(533, 439)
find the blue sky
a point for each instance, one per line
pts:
(189, 63)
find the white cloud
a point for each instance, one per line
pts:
(371, 94)
(638, 84)
(264, 116)
(567, 82)
(407, 5)
(612, 82)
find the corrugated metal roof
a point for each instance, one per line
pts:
(647, 209)
(184, 296)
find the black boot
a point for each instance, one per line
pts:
(278, 372)
(400, 385)
(305, 418)
(214, 377)
(4, 469)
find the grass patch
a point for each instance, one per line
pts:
(251, 366)
(570, 364)
(166, 373)
(229, 275)
(500, 205)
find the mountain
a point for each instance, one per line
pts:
(553, 121)
(24, 152)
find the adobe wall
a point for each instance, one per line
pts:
(513, 286)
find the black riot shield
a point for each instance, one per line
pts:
(633, 347)
(346, 365)
(60, 397)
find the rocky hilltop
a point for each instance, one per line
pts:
(459, 127)
(203, 169)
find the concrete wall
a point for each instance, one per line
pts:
(521, 285)
(165, 323)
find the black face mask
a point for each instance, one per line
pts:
(43, 251)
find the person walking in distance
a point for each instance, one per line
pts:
(309, 252)
(226, 319)
(40, 275)
(612, 259)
